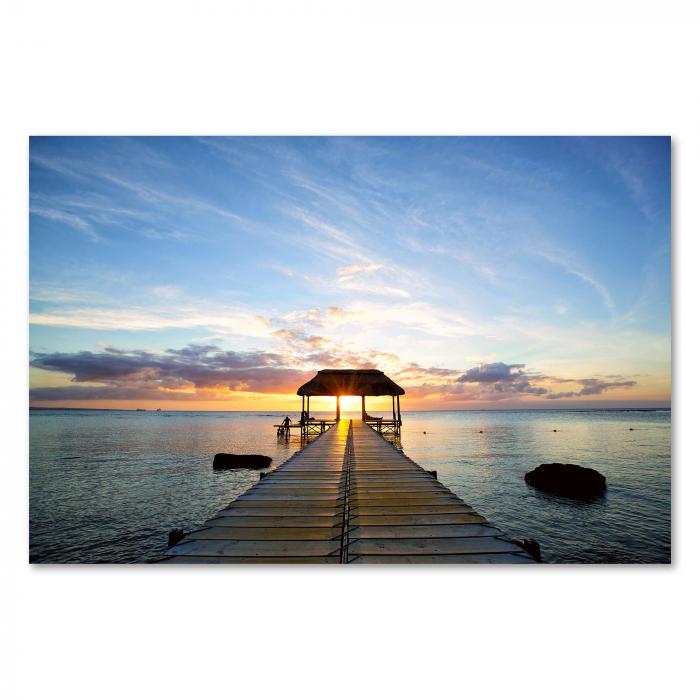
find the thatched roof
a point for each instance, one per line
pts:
(350, 382)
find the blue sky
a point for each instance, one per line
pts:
(478, 272)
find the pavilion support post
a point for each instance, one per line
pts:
(393, 407)
(364, 413)
(398, 410)
(337, 409)
(304, 416)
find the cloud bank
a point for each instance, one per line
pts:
(205, 372)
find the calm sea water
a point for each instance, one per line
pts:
(107, 486)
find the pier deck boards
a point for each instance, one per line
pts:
(347, 497)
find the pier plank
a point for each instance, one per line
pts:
(184, 559)
(230, 548)
(498, 558)
(422, 531)
(413, 519)
(426, 545)
(276, 521)
(266, 533)
(281, 510)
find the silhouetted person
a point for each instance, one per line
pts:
(286, 422)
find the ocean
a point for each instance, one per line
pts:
(108, 486)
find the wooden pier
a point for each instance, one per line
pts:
(348, 497)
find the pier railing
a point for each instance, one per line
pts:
(311, 428)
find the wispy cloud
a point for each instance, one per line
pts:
(329, 239)
(370, 279)
(629, 171)
(62, 166)
(67, 217)
(56, 294)
(167, 292)
(148, 193)
(168, 235)
(155, 195)
(349, 272)
(632, 165)
(96, 207)
(152, 318)
(573, 268)
(431, 319)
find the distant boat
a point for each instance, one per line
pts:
(159, 409)
(140, 409)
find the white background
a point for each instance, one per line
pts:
(357, 67)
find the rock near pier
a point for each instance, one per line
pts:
(222, 460)
(567, 480)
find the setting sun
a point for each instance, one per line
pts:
(350, 403)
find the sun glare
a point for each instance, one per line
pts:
(350, 403)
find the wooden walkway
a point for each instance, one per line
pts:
(348, 497)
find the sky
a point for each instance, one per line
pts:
(222, 273)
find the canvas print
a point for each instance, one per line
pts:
(350, 350)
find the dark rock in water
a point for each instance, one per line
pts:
(567, 480)
(174, 536)
(227, 461)
(532, 547)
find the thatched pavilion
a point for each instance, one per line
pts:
(355, 382)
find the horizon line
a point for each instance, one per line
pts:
(410, 410)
